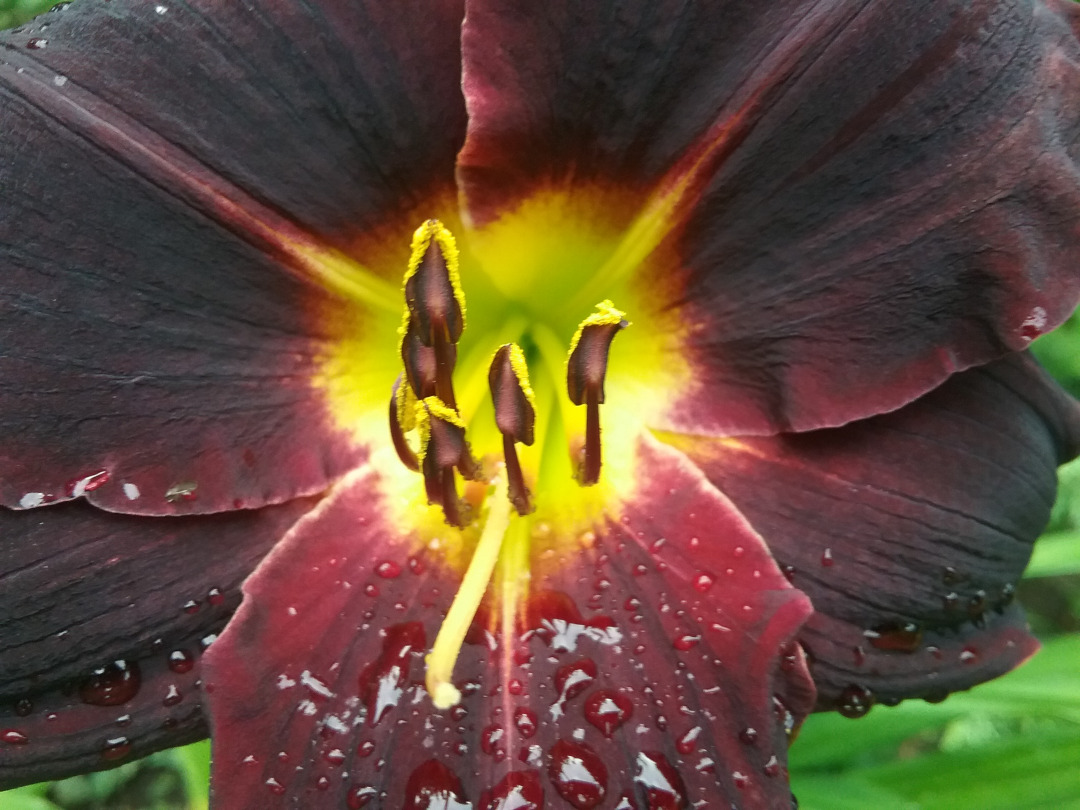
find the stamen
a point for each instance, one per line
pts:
(434, 298)
(586, 368)
(443, 448)
(421, 367)
(402, 420)
(444, 653)
(515, 415)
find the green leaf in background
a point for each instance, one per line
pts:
(193, 762)
(1056, 554)
(16, 12)
(1010, 744)
(31, 797)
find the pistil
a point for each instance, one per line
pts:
(440, 661)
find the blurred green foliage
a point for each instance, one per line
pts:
(15, 12)
(1012, 744)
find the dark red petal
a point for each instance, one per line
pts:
(909, 530)
(166, 169)
(879, 194)
(645, 668)
(82, 590)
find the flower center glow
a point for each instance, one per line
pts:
(515, 423)
(424, 403)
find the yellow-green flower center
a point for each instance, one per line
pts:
(496, 412)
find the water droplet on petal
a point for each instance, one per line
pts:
(1008, 593)
(359, 796)
(968, 655)
(388, 569)
(433, 786)
(1034, 324)
(24, 707)
(490, 737)
(573, 679)
(685, 642)
(855, 701)
(116, 748)
(607, 710)
(382, 682)
(772, 767)
(13, 737)
(181, 661)
(215, 597)
(687, 743)
(703, 582)
(519, 790)
(579, 775)
(111, 685)
(950, 576)
(748, 736)
(903, 637)
(664, 788)
(335, 756)
(525, 721)
(36, 43)
(172, 697)
(827, 558)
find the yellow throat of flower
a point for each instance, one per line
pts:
(515, 431)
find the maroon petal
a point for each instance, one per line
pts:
(104, 622)
(652, 662)
(909, 530)
(176, 177)
(874, 195)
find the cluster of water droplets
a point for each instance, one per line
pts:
(114, 687)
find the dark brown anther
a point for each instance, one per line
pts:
(445, 449)
(585, 372)
(398, 402)
(515, 416)
(436, 311)
(422, 368)
(432, 299)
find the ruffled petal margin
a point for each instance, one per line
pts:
(909, 531)
(652, 665)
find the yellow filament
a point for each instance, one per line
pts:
(440, 661)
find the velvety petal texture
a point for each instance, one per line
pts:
(179, 181)
(910, 530)
(652, 664)
(104, 621)
(858, 198)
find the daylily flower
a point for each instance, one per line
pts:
(582, 393)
